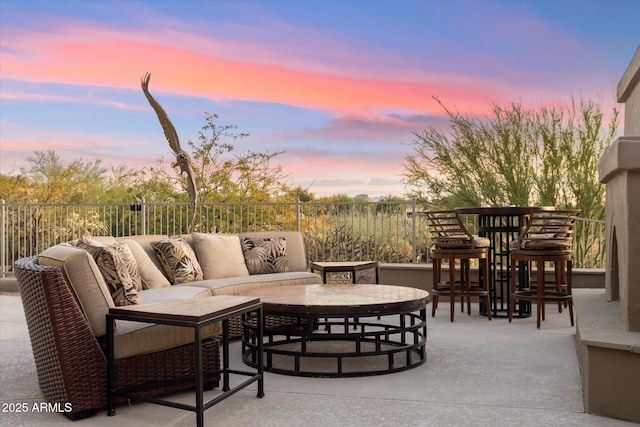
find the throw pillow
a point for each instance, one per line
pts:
(220, 255)
(178, 260)
(265, 255)
(115, 270)
(128, 260)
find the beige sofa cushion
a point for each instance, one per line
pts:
(173, 293)
(220, 255)
(136, 338)
(87, 283)
(239, 285)
(106, 240)
(150, 274)
(145, 241)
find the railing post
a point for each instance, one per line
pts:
(143, 220)
(3, 239)
(297, 214)
(414, 238)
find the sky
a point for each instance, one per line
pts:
(338, 86)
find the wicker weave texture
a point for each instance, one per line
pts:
(71, 364)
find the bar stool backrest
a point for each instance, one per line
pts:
(549, 230)
(447, 230)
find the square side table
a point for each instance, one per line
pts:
(352, 267)
(196, 313)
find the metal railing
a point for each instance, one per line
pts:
(333, 231)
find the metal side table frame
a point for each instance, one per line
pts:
(190, 314)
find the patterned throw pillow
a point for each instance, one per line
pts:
(116, 264)
(178, 260)
(265, 255)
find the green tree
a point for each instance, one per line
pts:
(223, 175)
(14, 188)
(390, 204)
(49, 180)
(158, 184)
(298, 193)
(517, 156)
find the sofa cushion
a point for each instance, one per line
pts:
(150, 274)
(220, 255)
(178, 260)
(172, 293)
(264, 255)
(239, 285)
(81, 272)
(135, 338)
(145, 241)
(118, 267)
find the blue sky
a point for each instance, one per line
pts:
(339, 86)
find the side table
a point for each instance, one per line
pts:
(352, 267)
(196, 313)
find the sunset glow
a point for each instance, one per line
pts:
(340, 96)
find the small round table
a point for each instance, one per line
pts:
(341, 330)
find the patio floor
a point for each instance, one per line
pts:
(478, 373)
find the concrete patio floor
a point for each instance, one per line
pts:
(478, 373)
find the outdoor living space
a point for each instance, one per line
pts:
(198, 300)
(477, 373)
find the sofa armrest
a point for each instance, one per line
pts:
(70, 364)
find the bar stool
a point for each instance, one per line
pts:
(452, 241)
(547, 238)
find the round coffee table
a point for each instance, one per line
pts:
(342, 330)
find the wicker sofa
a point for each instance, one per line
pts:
(66, 299)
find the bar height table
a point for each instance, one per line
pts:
(502, 225)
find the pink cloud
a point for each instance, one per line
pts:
(100, 56)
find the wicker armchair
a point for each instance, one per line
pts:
(70, 361)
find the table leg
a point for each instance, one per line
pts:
(199, 380)
(260, 324)
(225, 355)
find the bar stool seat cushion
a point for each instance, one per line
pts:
(461, 242)
(547, 242)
